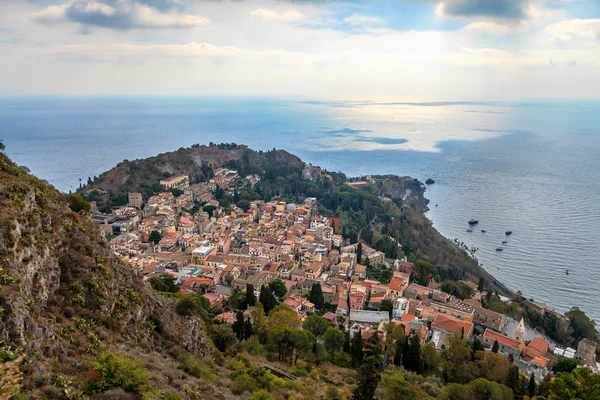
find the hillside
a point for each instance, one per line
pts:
(67, 305)
(197, 162)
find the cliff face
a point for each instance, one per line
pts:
(63, 296)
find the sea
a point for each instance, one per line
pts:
(529, 167)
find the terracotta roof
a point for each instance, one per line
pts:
(451, 324)
(408, 317)
(541, 362)
(396, 284)
(505, 340)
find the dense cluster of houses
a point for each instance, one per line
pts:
(218, 253)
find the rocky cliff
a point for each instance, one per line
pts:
(64, 299)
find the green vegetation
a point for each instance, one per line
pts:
(164, 283)
(155, 237)
(110, 371)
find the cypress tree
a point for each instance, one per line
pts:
(347, 342)
(495, 347)
(369, 372)
(414, 354)
(238, 326)
(247, 329)
(359, 252)
(267, 299)
(405, 352)
(316, 296)
(532, 385)
(250, 296)
(399, 350)
(356, 349)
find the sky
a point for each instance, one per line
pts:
(413, 50)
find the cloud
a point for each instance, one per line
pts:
(566, 31)
(118, 15)
(501, 9)
(290, 15)
(359, 19)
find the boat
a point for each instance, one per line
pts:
(483, 231)
(504, 241)
(473, 222)
(567, 272)
(470, 230)
(508, 233)
(499, 249)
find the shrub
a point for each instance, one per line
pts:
(196, 367)
(78, 203)
(114, 371)
(187, 306)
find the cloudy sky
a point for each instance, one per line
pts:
(372, 49)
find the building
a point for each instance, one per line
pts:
(505, 344)
(135, 200)
(444, 325)
(586, 351)
(456, 309)
(373, 318)
(176, 182)
(520, 332)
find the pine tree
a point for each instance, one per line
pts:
(414, 354)
(250, 296)
(495, 347)
(356, 349)
(316, 296)
(532, 385)
(267, 299)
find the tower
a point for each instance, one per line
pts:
(519, 334)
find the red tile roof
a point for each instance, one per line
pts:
(453, 325)
(396, 284)
(505, 340)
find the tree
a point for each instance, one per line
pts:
(247, 329)
(333, 339)
(222, 336)
(238, 325)
(387, 305)
(581, 383)
(456, 355)
(583, 327)
(301, 342)
(250, 295)
(513, 377)
(431, 360)
(164, 283)
(531, 386)
(155, 237)
(77, 203)
(414, 354)
(495, 347)
(316, 296)
(277, 287)
(481, 284)
(566, 365)
(359, 252)
(282, 315)
(187, 306)
(369, 372)
(491, 366)
(267, 299)
(477, 346)
(393, 386)
(356, 349)
(315, 324)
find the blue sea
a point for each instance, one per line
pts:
(530, 167)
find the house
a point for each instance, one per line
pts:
(415, 291)
(226, 317)
(357, 301)
(506, 345)
(135, 200)
(457, 309)
(373, 318)
(444, 325)
(487, 318)
(176, 182)
(537, 347)
(397, 286)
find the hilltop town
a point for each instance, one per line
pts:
(186, 236)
